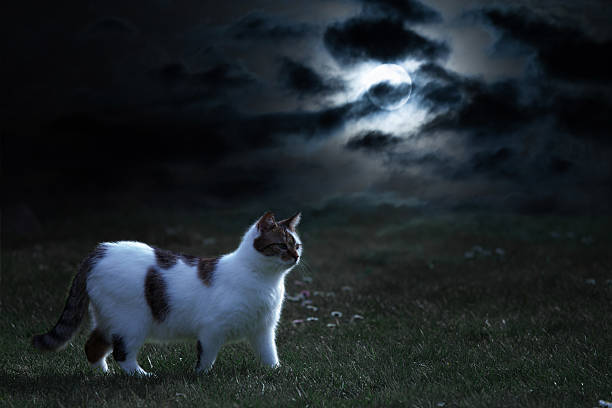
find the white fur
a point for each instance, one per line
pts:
(243, 301)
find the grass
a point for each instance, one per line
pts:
(528, 328)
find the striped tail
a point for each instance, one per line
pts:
(74, 311)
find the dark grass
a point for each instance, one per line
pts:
(524, 329)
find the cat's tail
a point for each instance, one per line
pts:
(75, 309)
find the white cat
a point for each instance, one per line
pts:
(138, 292)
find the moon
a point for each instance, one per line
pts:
(388, 86)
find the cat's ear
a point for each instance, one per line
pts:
(266, 222)
(292, 223)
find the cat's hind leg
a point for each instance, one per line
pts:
(125, 351)
(97, 348)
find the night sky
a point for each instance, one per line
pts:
(263, 101)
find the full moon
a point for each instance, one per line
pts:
(388, 86)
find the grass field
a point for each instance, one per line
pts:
(448, 320)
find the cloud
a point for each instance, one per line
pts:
(215, 85)
(372, 141)
(412, 11)
(382, 39)
(309, 125)
(498, 163)
(225, 75)
(562, 51)
(483, 109)
(256, 25)
(303, 80)
(387, 94)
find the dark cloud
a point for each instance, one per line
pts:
(507, 106)
(213, 86)
(260, 26)
(383, 39)
(304, 125)
(438, 97)
(385, 93)
(225, 75)
(221, 75)
(484, 109)
(303, 80)
(498, 163)
(372, 141)
(562, 51)
(433, 71)
(412, 11)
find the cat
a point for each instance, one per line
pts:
(137, 292)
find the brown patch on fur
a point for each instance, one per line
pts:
(119, 353)
(96, 346)
(156, 294)
(165, 259)
(206, 267)
(199, 350)
(190, 260)
(75, 308)
(266, 221)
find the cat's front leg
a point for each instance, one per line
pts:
(207, 348)
(264, 346)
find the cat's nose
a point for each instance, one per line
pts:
(294, 254)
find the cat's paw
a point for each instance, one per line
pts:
(139, 372)
(274, 365)
(200, 370)
(101, 365)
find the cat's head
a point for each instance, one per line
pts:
(279, 239)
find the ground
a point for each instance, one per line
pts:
(459, 310)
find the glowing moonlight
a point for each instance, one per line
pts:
(388, 86)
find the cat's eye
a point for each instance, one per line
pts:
(282, 246)
(297, 246)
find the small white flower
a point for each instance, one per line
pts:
(331, 324)
(306, 302)
(312, 319)
(311, 307)
(293, 298)
(336, 313)
(357, 317)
